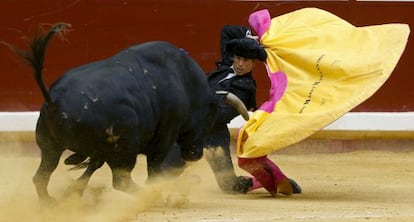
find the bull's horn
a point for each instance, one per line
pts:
(235, 102)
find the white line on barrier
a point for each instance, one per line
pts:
(366, 121)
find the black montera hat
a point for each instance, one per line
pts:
(247, 48)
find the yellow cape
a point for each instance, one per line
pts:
(331, 67)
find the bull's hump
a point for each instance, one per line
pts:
(155, 49)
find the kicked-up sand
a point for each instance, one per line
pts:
(359, 185)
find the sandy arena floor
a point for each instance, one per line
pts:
(347, 186)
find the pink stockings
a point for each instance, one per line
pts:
(267, 174)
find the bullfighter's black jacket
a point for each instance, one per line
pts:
(244, 87)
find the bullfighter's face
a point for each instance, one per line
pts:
(243, 65)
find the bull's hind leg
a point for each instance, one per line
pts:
(49, 161)
(121, 167)
(80, 184)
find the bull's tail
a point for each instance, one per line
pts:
(79, 161)
(35, 57)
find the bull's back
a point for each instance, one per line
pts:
(168, 61)
(133, 92)
(149, 68)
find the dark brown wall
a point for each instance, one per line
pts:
(103, 27)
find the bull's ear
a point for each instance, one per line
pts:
(235, 102)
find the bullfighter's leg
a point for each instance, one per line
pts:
(268, 174)
(49, 161)
(288, 186)
(256, 167)
(121, 166)
(217, 154)
(80, 184)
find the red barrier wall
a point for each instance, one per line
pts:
(103, 27)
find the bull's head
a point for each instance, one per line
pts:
(194, 151)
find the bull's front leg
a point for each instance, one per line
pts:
(173, 164)
(121, 167)
(154, 162)
(166, 157)
(191, 151)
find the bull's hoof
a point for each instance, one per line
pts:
(47, 201)
(127, 188)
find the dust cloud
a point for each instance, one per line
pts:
(360, 185)
(100, 202)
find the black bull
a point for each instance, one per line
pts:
(140, 101)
